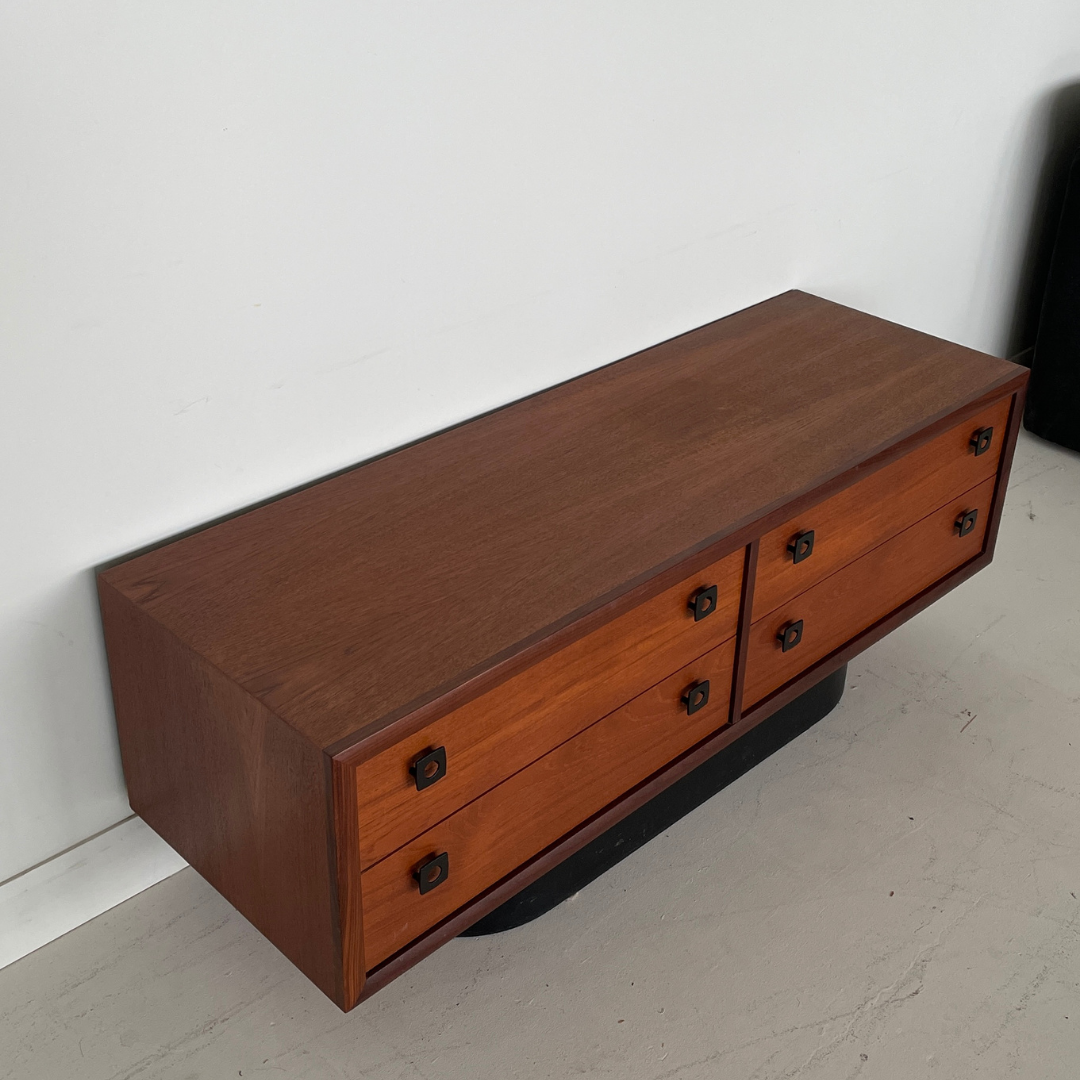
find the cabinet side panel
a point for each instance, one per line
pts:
(1005, 466)
(232, 788)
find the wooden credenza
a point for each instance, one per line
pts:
(372, 710)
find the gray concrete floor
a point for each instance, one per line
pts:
(893, 895)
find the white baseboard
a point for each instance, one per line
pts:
(78, 885)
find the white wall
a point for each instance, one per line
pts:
(244, 244)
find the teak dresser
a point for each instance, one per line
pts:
(372, 710)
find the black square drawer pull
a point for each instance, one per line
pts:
(429, 767)
(703, 602)
(802, 547)
(981, 440)
(696, 697)
(966, 522)
(431, 874)
(790, 635)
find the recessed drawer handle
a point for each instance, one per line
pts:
(431, 874)
(966, 522)
(429, 767)
(981, 440)
(790, 635)
(696, 697)
(703, 602)
(802, 547)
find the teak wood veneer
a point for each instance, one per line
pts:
(372, 710)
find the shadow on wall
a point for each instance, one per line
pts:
(1059, 116)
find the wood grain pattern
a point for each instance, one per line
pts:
(636, 797)
(487, 901)
(379, 736)
(495, 735)
(500, 585)
(860, 594)
(235, 791)
(812, 673)
(366, 596)
(498, 832)
(345, 820)
(868, 513)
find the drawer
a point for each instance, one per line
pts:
(853, 522)
(506, 827)
(857, 596)
(502, 731)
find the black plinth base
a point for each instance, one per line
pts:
(663, 810)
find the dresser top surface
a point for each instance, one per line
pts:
(362, 596)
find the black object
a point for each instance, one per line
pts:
(703, 602)
(663, 810)
(1053, 397)
(429, 767)
(966, 522)
(802, 547)
(790, 636)
(981, 440)
(696, 697)
(433, 873)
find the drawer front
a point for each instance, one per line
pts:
(492, 737)
(860, 594)
(510, 824)
(859, 518)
